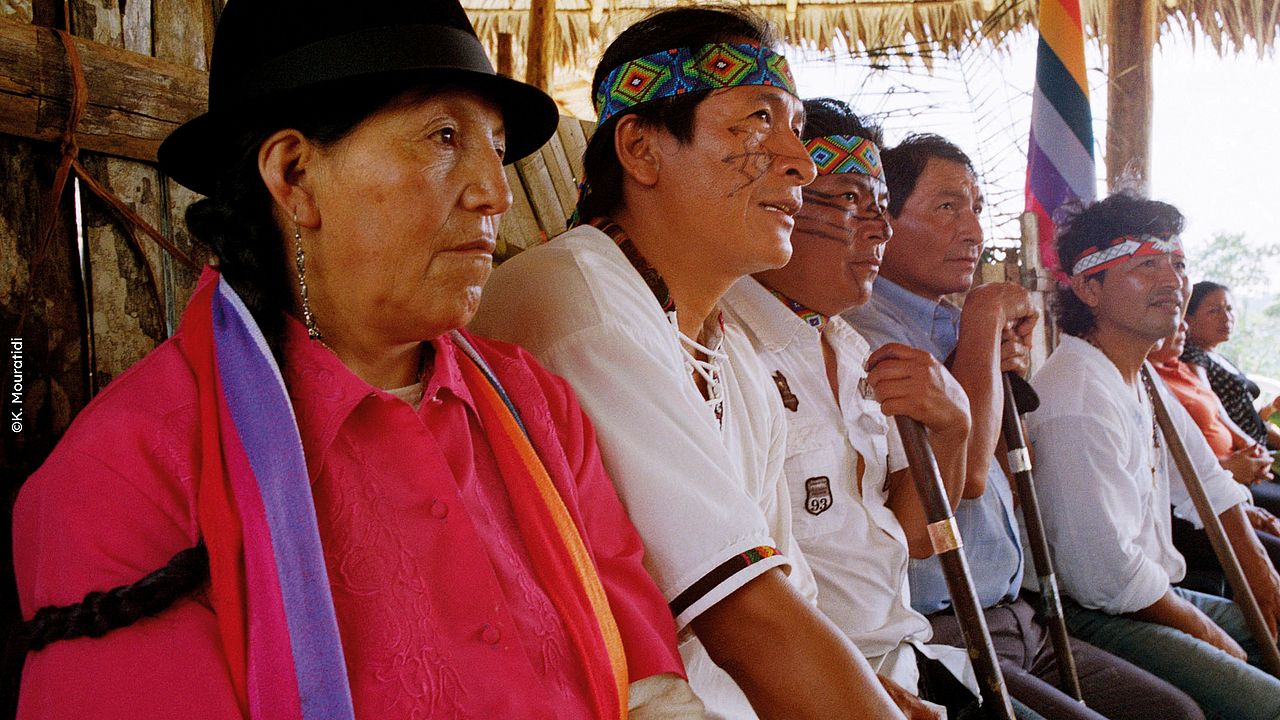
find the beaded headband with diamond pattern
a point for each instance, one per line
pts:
(838, 154)
(1095, 259)
(685, 70)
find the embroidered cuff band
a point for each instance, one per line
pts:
(722, 572)
(838, 154)
(1096, 259)
(684, 70)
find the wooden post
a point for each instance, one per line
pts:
(134, 100)
(597, 19)
(1131, 34)
(542, 23)
(506, 54)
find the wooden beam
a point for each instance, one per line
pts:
(542, 23)
(134, 100)
(506, 54)
(1131, 44)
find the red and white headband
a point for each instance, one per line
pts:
(1098, 258)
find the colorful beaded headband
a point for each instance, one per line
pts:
(684, 70)
(838, 154)
(1095, 259)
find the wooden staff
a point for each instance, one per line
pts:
(944, 535)
(1243, 594)
(1020, 466)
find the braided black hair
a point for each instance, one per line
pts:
(101, 612)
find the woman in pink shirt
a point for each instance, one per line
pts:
(320, 497)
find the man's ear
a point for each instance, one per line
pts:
(1088, 289)
(283, 161)
(636, 145)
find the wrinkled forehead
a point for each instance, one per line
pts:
(457, 104)
(948, 176)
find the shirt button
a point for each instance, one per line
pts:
(490, 635)
(439, 509)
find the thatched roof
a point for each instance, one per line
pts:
(896, 27)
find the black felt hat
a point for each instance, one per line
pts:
(268, 50)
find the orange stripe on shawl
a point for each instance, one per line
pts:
(559, 555)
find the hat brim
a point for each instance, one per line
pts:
(200, 150)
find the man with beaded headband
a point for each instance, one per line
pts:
(934, 208)
(692, 181)
(1106, 479)
(854, 509)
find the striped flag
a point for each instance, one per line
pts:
(1060, 155)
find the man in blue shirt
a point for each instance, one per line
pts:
(934, 206)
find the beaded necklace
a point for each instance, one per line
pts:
(1148, 392)
(700, 360)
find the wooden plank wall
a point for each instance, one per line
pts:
(78, 331)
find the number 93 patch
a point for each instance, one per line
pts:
(817, 495)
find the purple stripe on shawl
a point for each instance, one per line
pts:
(272, 685)
(255, 394)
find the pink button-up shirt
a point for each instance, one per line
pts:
(439, 610)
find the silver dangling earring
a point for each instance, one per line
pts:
(300, 261)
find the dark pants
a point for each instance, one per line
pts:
(1204, 573)
(1113, 688)
(1267, 495)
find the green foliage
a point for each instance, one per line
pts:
(1238, 264)
(1247, 268)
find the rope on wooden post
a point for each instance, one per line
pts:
(68, 163)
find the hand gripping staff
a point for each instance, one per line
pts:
(1243, 594)
(945, 537)
(1020, 466)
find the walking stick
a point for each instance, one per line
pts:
(945, 538)
(1243, 594)
(1020, 466)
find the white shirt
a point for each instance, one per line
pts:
(852, 540)
(704, 494)
(1106, 514)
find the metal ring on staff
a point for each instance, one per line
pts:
(944, 535)
(1019, 460)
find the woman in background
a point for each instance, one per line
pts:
(1210, 320)
(1247, 461)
